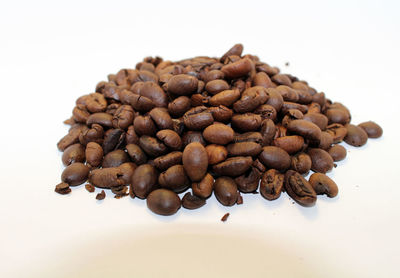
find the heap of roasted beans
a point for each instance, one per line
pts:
(227, 125)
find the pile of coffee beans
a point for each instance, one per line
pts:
(227, 126)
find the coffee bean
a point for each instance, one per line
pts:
(281, 79)
(287, 93)
(337, 152)
(163, 202)
(94, 134)
(75, 174)
(244, 149)
(161, 118)
(127, 170)
(204, 187)
(372, 129)
(113, 139)
(179, 106)
(218, 134)
(274, 99)
(271, 184)
(275, 158)
(338, 132)
(319, 119)
(246, 122)
(152, 146)
(74, 153)
(248, 182)
(237, 69)
(192, 136)
(266, 111)
(190, 201)
(301, 162)
(299, 189)
(221, 113)
(226, 98)
(106, 177)
(154, 92)
(337, 116)
(62, 188)
(90, 188)
(225, 190)
(216, 153)
(306, 129)
(164, 162)
(115, 158)
(237, 50)
(123, 117)
(198, 118)
(72, 137)
(136, 154)
(233, 167)
(144, 125)
(103, 119)
(144, 180)
(93, 154)
(170, 138)
(251, 136)
(262, 79)
(322, 162)
(195, 161)
(291, 144)
(251, 99)
(182, 84)
(268, 131)
(322, 184)
(131, 136)
(175, 179)
(216, 86)
(326, 140)
(356, 136)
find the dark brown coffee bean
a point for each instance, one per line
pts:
(216, 86)
(106, 177)
(251, 99)
(101, 196)
(337, 152)
(93, 154)
(338, 132)
(138, 102)
(101, 118)
(62, 188)
(218, 134)
(152, 146)
(322, 184)
(248, 182)
(192, 136)
(299, 189)
(72, 137)
(372, 129)
(80, 114)
(123, 117)
(271, 184)
(213, 75)
(115, 158)
(198, 118)
(179, 106)
(244, 149)
(322, 162)
(113, 139)
(266, 112)
(281, 79)
(319, 119)
(216, 153)
(274, 99)
(226, 98)
(286, 106)
(326, 140)
(161, 118)
(251, 136)
(306, 129)
(339, 116)
(262, 79)
(170, 138)
(144, 180)
(246, 122)
(174, 178)
(75, 174)
(237, 69)
(190, 201)
(144, 125)
(275, 158)
(234, 166)
(225, 190)
(320, 99)
(291, 115)
(94, 134)
(356, 136)
(74, 153)
(154, 92)
(182, 84)
(268, 131)
(136, 154)
(204, 187)
(112, 108)
(301, 163)
(291, 144)
(287, 93)
(131, 136)
(237, 50)
(221, 113)
(195, 161)
(163, 202)
(168, 160)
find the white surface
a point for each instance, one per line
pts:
(51, 53)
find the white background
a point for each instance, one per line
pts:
(53, 52)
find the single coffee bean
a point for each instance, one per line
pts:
(218, 134)
(319, 119)
(74, 153)
(246, 122)
(123, 117)
(251, 136)
(113, 139)
(305, 129)
(244, 149)
(195, 161)
(221, 113)
(337, 152)
(216, 86)
(154, 92)
(262, 79)
(75, 174)
(72, 137)
(237, 50)
(301, 162)
(214, 75)
(291, 115)
(163, 202)
(164, 162)
(356, 136)
(190, 201)
(216, 153)
(179, 106)
(266, 111)
(326, 140)
(321, 161)
(136, 154)
(237, 69)
(161, 118)
(115, 158)
(338, 132)
(271, 184)
(234, 166)
(127, 170)
(192, 136)
(226, 98)
(94, 134)
(93, 154)
(131, 136)
(281, 79)
(275, 158)
(62, 188)
(287, 93)
(287, 105)
(106, 177)
(138, 102)
(251, 99)
(322, 184)
(144, 180)
(372, 129)
(268, 131)
(175, 179)
(198, 118)
(248, 182)
(182, 84)
(103, 119)
(299, 189)
(291, 144)
(204, 187)
(339, 116)
(144, 125)
(225, 190)
(170, 138)
(152, 146)
(80, 114)
(274, 99)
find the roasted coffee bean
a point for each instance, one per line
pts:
(204, 187)
(244, 149)
(161, 118)
(275, 157)
(299, 189)
(326, 140)
(372, 129)
(319, 98)
(216, 86)
(127, 170)
(170, 138)
(136, 154)
(226, 98)
(306, 129)
(338, 132)
(225, 190)
(106, 177)
(251, 99)
(72, 137)
(174, 178)
(322, 184)
(144, 125)
(94, 134)
(216, 153)
(74, 153)
(271, 184)
(291, 115)
(131, 136)
(262, 79)
(113, 139)
(112, 108)
(287, 93)
(322, 162)
(103, 119)
(123, 117)
(75, 174)
(287, 105)
(80, 114)
(115, 158)
(237, 50)
(154, 92)
(319, 119)
(93, 154)
(246, 122)
(190, 201)
(213, 75)
(337, 152)
(301, 162)
(356, 136)
(248, 137)
(195, 161)
(198, 118)
(281, 79)
(62, 188)
(179, 106)
(152, 146)
(221, 113)
(144, 180)
(163, 202)
(138, 102)
(268, 131)
(218, 134)
(168, 160)
(266, 111)
(248, 182)
(182, 84)
(192, 136)
(291, 144)
(237, 69)
(233, 167)
(274, 99)
(339, 116)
